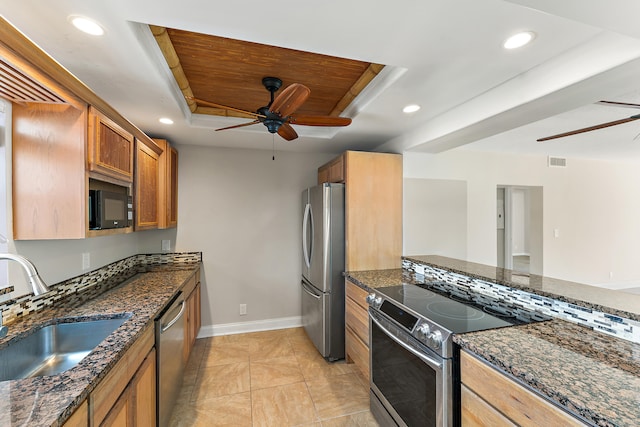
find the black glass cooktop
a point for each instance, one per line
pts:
(455, 316)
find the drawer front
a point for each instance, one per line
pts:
(514, 401)
(357, 294)
(357, 352)
(357, 318)
(476, 412)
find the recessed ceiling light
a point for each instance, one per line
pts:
(411, 108)
(86, 25)
(166, 121)
(519, 40)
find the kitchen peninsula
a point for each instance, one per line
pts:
(593, 375)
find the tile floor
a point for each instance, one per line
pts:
(273, 378)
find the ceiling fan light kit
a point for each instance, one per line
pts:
(277, 116)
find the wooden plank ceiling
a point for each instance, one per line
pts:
(230, 72)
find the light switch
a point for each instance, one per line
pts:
(166, 245)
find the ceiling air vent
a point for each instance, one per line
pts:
(18, 87)
(556, 162)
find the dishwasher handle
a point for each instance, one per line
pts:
(175, 319)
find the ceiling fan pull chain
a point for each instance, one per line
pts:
(273, 146)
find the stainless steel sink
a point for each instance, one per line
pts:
(54, 349)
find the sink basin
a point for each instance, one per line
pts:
(54, 349)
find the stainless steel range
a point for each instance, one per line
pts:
(414, 363)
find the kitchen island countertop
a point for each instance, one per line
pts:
(50, 400)
(591, 374)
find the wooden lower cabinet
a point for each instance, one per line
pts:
(357, 327)
(80, 418)
(193, 316)
(136, 406)
(490, 398)
(128, 391)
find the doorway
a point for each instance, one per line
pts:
(519, 228)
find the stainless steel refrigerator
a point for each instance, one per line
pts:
(322, 268)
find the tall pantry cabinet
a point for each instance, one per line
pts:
(373, 232)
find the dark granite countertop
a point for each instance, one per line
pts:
(50, 400)
(594, 375)
(591, 374)
(607, 300)
(372, 279)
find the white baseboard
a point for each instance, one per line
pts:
(255, 326)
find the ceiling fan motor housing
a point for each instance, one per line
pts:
(272, 121)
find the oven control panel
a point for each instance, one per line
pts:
(432, 338)
(428, 333)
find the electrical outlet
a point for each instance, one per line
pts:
(243, 309)
(166, 245)
(86, 260)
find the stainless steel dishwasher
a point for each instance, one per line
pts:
(169, 350)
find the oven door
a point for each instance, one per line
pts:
(408, 380)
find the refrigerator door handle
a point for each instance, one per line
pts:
(306, 222)
(305, 287)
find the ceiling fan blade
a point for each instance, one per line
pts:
(318, 120)
(619, 104)
(590, 128)
(226, 107)
(287, 132)
(239, 126)
(290, 99)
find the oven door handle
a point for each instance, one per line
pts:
(435, 364)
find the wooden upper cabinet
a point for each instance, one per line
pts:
(332, 171)
(168, 201)
(147, 184)
(49, 182)
(373, 207)
(110, 147)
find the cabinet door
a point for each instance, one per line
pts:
(168, 196)
(49, 177)
(80, 417)
(147, 185)
(332, 171)
(143, 393)
(119, 415)
(110, 147)
(357, 327)
(193, 319)
(198, 312)
(172, 187)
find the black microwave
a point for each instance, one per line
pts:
(108, 209)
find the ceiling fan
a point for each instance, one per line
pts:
(601, 125)
(278, 115)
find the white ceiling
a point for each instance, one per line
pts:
(470, 88)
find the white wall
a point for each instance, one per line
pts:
(593, 205)
(58, 260)
(435, 217)
(242, 210)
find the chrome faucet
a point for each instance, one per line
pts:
(37, 285)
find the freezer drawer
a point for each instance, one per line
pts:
(315, 309)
